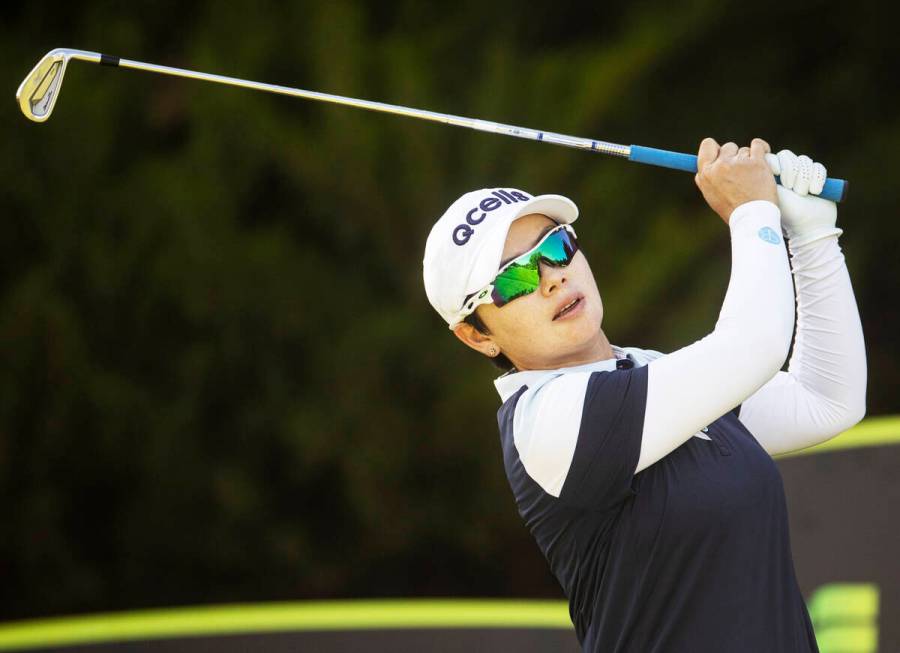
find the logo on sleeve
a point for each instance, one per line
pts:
(768, 234)
(462, 232)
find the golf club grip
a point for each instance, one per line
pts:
(834, 189)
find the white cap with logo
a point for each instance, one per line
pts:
(465, 246)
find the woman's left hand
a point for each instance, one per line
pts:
(804, 217)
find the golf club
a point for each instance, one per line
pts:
(38, 93)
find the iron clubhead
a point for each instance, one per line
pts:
(38, 92)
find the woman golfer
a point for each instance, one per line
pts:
(646, 479)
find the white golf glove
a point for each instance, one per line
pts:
(804, 217)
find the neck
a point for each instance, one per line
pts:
(598, 349)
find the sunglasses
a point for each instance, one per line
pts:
(522, 275)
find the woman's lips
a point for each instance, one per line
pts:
(574, 309)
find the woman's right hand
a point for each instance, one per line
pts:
(729, 176)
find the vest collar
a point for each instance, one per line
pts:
(509, 383)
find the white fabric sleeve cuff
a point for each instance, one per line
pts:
(755, 214)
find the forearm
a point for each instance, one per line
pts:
(694, 386)
(823, 391)
(829, 355)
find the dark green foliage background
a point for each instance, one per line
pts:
(220, 379)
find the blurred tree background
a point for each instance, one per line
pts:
(221, 379)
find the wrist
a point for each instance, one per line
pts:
(754, 215)
(796, 240)
(806, 219)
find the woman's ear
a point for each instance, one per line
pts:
(475, 339)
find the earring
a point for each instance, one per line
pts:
(492, 351)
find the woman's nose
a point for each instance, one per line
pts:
(552, 278)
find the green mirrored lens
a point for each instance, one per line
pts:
(515, 281)
(522, 276)
(553, 250)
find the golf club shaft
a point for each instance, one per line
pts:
(834, 189)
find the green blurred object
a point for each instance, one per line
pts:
(225, 620)
(872, 432)
(845, 617)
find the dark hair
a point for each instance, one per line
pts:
(500, 361)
